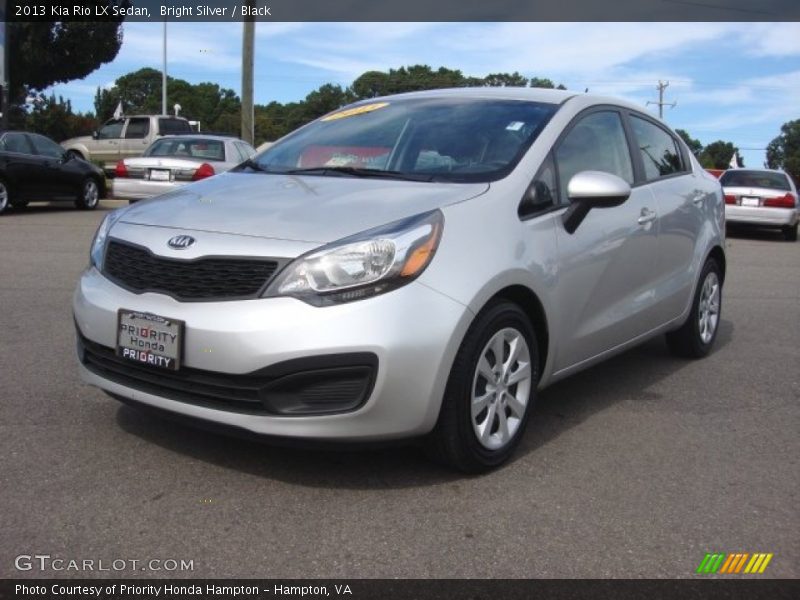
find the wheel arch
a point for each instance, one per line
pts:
(718, 254)
(533, 308)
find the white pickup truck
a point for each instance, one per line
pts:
(124, 137)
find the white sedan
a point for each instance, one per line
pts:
(761, 198)
(173, 161)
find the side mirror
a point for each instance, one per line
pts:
(95, 135)
(593, 189)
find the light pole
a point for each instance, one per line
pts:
(248, 51)
(164, 73)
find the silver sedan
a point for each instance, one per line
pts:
(411, 266)
(761, 198)
(173, 161)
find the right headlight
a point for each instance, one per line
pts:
(97, 251)
(363, 265)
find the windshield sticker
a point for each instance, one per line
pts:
(515, 126)
(358, 110)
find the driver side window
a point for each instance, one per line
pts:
(595, 143)
(111, 130)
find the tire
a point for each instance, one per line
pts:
(5, 197)
(696, 337)
(88, 194)
(476, 441)
(790, 233)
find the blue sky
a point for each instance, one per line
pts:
(733, 81)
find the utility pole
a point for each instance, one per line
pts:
(662, 85)
(248, 58)
(164, 73)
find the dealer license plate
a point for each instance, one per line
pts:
(750, 201)
(159, 175)
(149, 340)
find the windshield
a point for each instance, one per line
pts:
(755, 179)
(200, 149)
(447, 139)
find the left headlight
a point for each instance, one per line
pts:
(363, 265)
(97, 251)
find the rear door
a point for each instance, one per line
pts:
(681, 196)
(20, 166)
(605, 275)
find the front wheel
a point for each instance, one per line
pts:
(696, 337)
(89, 195)
(490, 391)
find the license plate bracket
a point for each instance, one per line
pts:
(159, 175)
(751, 201)
(150, 340)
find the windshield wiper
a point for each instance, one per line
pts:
(360, 172)
(253, 165)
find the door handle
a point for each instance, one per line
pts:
(646, 216)
(698, 198)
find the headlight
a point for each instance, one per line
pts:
(101, 235)
(364, 265)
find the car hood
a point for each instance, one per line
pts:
(298, 208)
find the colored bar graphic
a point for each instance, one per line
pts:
(733, 563)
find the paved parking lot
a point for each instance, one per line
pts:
(635, 468)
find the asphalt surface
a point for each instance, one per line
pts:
(635, 468)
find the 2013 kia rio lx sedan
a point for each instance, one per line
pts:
(418, 265)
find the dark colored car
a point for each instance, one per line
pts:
(34, 167)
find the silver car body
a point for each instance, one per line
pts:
(627, 274)
(178, 170)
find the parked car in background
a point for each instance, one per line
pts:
(762, 198)
(410, 266)
(34, 167)
(173, 161)
(716, 172)
(124, 137)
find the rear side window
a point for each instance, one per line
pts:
(761, 179)
(596, 143)
(659, 151)
(15, 142)
(172, 126)
(137, 129)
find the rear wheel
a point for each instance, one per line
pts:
(89, 194)
(5, 196)
(696, 337)
(790, 233)
(490, 391)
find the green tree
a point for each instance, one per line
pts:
(717, 155)
(506, 80)
(784, 151)
(216, 108)
(48, 52)
(55, 119)
(694, 145)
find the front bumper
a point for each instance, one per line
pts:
(414, 332)
(768, 217)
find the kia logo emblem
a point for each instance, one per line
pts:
(180, 242)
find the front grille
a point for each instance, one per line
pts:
(312, 386)
(137, 269)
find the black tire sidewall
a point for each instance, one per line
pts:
(458, 397)
(82, 194)
(703, 348)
